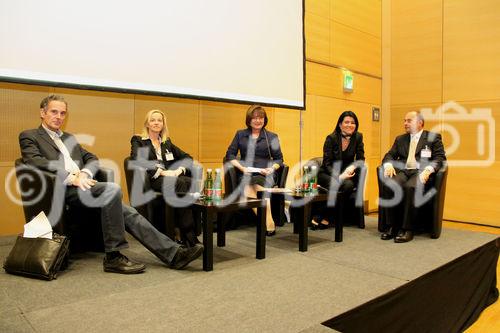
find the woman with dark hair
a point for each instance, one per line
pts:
(260, 154)
(155, 150)
(342, 148)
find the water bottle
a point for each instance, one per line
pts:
(313, 181)
(209, 184)
(217, 189)
(305, 182)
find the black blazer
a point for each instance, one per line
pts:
(332, 152)
(400, 148)
(263, 148)
(39, 150)
(143, 151)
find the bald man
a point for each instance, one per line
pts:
(411, 162)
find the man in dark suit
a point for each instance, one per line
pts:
(411, 162)
(49, 149)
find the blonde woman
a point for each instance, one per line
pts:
(167, 167)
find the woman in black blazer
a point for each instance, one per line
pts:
(342, 151)
(167, 167)
(261, 156)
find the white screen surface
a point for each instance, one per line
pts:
(243, 50)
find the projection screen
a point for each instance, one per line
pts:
(231, 50)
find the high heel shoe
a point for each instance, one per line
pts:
(323, 226)
(271, 233)
(314, 225)
(319, 225)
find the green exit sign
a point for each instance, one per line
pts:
(348, 81)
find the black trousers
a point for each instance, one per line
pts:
(319, 209)
(183, 215)
(116, 218)
(404, 214)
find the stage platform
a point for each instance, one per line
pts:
(289, 291)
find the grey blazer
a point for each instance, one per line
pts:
(40, 151)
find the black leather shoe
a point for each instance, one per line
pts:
(123, 265)
(404, 237)
(185, 255)
(387, 235)
(271, 233)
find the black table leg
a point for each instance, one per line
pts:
(261, 233)
(339, 217)
(295, 218)
(221, 229)
(303, 231)
(298, 217)
(208, 229)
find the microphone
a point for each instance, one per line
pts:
(322, 188)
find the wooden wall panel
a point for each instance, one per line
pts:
(416, 58)
(12, 218)
(308, 126)
(475, 200)
(366, 89)
(471, 38)
(20, 110)
(218, 124)
(363, 15)
(182, 119)
(355, 50)
(287, 126)
(371, 186)
(472, 192)
(321, 80)
(326, 81)
(318, 7)
(317, 30)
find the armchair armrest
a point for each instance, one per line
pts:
(105, 175)
(283, 174)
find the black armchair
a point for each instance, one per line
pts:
(81, 225)
(352, 214)
(430, 214)
(231, 176)
(156, 210)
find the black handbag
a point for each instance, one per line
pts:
(40, 258)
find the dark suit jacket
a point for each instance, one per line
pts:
(263, 148)
(400, 148)
(143, 151)
(332, 152)
(39, 150)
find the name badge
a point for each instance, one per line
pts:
(169, 156)
(425, 153)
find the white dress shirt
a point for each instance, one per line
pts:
(69, 165)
